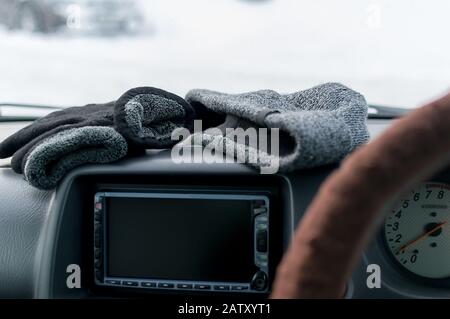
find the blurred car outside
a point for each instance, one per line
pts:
(90, 16)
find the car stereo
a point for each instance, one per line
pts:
(197, 241)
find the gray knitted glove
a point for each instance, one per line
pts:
(317, 126)
(48, 161)
(141, 118)
(21, 142)
(146, 117)
(48, 148)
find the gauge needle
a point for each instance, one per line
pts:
(424, 235)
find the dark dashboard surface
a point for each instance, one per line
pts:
(42, 232)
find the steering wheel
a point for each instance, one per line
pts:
(350, 204)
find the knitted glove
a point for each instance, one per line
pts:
(317, 126)
(146, 117)
(21, 142)
(51, 159)
(51, 146)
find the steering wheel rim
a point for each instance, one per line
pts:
(330, 239)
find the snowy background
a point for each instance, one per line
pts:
(395, 52)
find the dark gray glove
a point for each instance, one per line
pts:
(48, 161)
(20, 143)
(51, 146)
(317, 126)
(146, 117)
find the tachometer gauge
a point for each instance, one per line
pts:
(417, 231)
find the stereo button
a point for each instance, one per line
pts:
(259, 281)
(221, 287)
(97, 237)
(148, 284)
(112, 282)
(239, 288)
(202, 287)
(261, 241)
(97, 263)
(130, 283)
(260, 210)
(184, 286)
(259, 202)
(165, 285)
(98, 206)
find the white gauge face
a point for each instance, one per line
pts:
(417, 231)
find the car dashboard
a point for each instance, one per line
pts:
(45, 233)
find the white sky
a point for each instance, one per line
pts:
(395, 52)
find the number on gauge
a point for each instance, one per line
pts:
(417, 231)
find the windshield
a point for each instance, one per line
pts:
(66, 53)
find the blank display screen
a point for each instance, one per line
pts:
(179, 239)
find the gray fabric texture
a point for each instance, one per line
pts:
(55, 156)
(317, 126)
(147, 118)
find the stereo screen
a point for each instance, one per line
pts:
(179, 239)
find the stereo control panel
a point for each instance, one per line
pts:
(212, 241)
